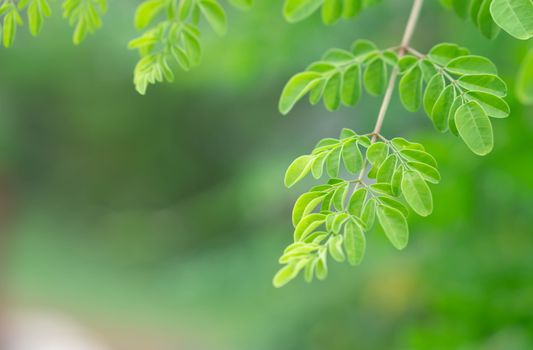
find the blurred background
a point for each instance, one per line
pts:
(155, 222)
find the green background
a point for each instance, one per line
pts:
(159, 219)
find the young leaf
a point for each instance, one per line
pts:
(352, 157)
(494, 106)
(432, 93)
(305, 204)
(307, 225)
(419, 156)
(285, 275)
(417, 193)
(467, 65)
(395, 226)
(296, 88)
(369, 213)
(441, 109)
(332, 98)
(354, 243)
(474, 127)
(335, 248)
(357, 200)
(351, 85)
(386, 169)
(428, 172)
(491, 84)
(443, 53)
(377, 152)
(333, 161)
(215, 15)
(375, 77)
(298, 169)
(411, 89)
(514, 16)
(296, 10)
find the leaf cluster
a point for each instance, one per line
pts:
(171, 34)
(333, 219)
(331, 10)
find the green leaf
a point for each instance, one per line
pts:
(305, 204)
(354, 243)
(417, 193)
(242, 4)
(494, 106)
(307, 225)
(146, 12)
(339, 196)
(363, 47)
(347, 133)
(393, 203)
(443, 53)
(352, 157)
(395, 226)
(296, 88)
(411, 89)
(524, 81)
(397, 181)
(460, 7)
(321, 268)
(441, 109)
(428, 172)
(491, 84)
(332, 98)
(484, 21)
(451, 117)
(318, 166)
(406, 63)
(419, 156)
(333, 161)
(331, 11)
(335, 248)
(375, 77)
(298, 169)
(377, 152)
(386, 169)
(351, 8)
(215, 15)
(432, 93)
(357, 200)
(285, 275)
(369, 213)
(351, 85)
(296, 10)
(474, 127)
(467, 65)
(514, 16)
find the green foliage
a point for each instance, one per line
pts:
(331, 220)
(339, 76)
(85, 16)
(513, 16)
(458, 91)
(332, 10)
(172, 35)
(456, 78)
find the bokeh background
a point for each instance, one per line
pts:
(155, 222)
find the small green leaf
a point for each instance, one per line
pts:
(451, 117)
(418, 156)
(491, 84)
(296, 88)
(514, 16)
(441, 109)
(397, 181)
(393, 203)
(146, 12)
(331, 11)
(417, 193)
(369, 213)
(428, 172)
(352, 157)
(468, 65)
(354, 243)
(298, 169)
(296, 10)
(333, 161)
(335, 248)
(332, 98)
(285, 275)
(357, 200)
(411, 89)
(395, 226)
(351, 85)
(474, 128)
(377, 152)
(407, 62)
(339, 196)
(305, 204)
(493, 105)
(318, 166)
(307, 225)
(321, 268)
(351, 8)
(375, 77)
(443, 53)
(363, 47)
(432, 93)
(215, 15)
(386, 170)
(484, 21)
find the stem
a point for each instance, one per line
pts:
(407, 35)
(404, 47)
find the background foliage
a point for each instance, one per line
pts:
(161, 214)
